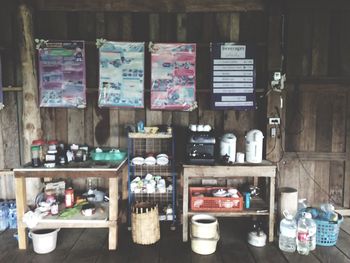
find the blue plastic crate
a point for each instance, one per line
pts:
(327, 232)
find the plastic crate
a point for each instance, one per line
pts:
(327, 232)
(206, 203)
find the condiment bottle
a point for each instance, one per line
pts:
(42, 149)
(35, 151)
(69, 197)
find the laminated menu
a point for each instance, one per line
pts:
(173, 76)
(121, 82)
(62, 74)
(233, 76)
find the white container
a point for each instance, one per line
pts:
(228, 146)
(204, 226)
(288, 233)
(204, 246)
(254, 146)
(44, 240)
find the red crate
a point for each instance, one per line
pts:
(222, 204)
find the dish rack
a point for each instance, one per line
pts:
(202, 201)
(143, 145)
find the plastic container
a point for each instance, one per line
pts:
(311, 225)
(204, 246)
(254, 146)
(327, 231)
(303, 236)
(44, 240)
(108, 155)
(204, 226)
(288, 232)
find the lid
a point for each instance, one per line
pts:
(307, 215)
(38, 142)
(35, 147)
(256, 134)
(52, 142)
(229, 137)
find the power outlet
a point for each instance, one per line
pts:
(274, 121)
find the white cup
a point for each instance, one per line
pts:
(239, 157)
(207, 128)
(193, 127)
(200, 127)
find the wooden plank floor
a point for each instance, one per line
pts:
(90, 245)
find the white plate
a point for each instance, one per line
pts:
(150, 160)
(162, 161)
(138, 161)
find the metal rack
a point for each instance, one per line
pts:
(143, 144)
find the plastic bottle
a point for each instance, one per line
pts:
(3, 216)
(288, 232)
(303, 236)
(12, 217)
(311, 224)
(301, 208)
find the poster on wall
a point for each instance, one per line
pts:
(173, 76)
(121, 81)
(1, 94)
(62, 74)
(233, 76)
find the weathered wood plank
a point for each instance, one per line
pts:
(346, 225)
(344, 44)
(330, 254)
(320, 41)
(336, 182)
(76, 126)
(151, 6)
(322, 175)
(290, 172)
(306, 181)
(307, 137)
(323, 122)
(343, 243)
(7, 185)
(339, 122)
(347, 163)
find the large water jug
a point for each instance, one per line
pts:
(288, 231)
(311, 224)
(3, 216)
(12, 216)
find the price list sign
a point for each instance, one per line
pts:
(233, 76)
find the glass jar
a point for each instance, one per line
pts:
(35, 152)
(42, 149)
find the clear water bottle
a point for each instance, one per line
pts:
(303, 236)
(288, 232)
(12, 217)
(3, 216)
(311, 224)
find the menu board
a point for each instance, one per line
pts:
(233, 76)
(62, 74)
(122, 71)
(1, 95)
(173, 76)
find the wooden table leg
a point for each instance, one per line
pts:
(21, 202)
(113, 213)
(272, 209)
(185, 209)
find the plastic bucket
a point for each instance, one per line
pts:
(204, 226)
(44, 240)
(288, 200)
(204, 246)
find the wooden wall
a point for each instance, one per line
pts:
(315, 131)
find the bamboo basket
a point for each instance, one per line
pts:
(145, 223)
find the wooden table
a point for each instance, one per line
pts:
(264, 169)
(85, 170)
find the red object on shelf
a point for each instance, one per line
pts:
(69, 197)
(213, 203)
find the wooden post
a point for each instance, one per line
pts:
(31, 114)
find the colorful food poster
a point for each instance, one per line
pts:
(1, 95)
(62, 74)
(122, 74)
(173, 79)
(233, 76)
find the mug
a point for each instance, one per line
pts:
(200, 127)
(193, 127)
(240, 157)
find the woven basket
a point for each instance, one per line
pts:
(145, 224)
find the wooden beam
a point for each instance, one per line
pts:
(31, 114)
(315, 156)
(150, 5)
(313, 5)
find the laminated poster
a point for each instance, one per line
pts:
(122, 70)
(62, 74)
(233, 76)
(173, 79)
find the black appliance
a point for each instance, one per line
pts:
(200, 148)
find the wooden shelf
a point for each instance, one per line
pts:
(231, 214)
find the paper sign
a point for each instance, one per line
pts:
(121, 82)
(62, 74)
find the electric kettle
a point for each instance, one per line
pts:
(228, 146)
(254, 146)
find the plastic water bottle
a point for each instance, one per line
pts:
(288, 232)
(311, 224)
(3, 216)
(303, 236)
(12, 217)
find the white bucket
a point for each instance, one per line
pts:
(204, 226)
(44, 240)
(288, 200)
(204, 246)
